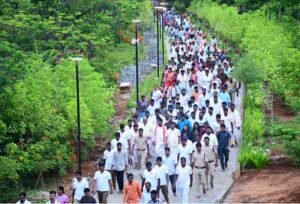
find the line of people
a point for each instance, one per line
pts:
(187, 127)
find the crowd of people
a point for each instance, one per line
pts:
(178, 138)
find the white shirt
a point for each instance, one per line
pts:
(146, 197)
(55, 202)
(151, 110)
(25, 202)
(102, 180)
(162, 172)
(152, 177)
(79, 187)
(236, 118)
(173, 137)
(213, 141)
(227, 121)
(114, 143)
(108, 156)
(183, 179)
(158, 135)
(125, 136)
(170, 163)
(210, 119)
(185, 151)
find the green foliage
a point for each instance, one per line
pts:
(38, 118)
(252, 153)
(145, 88)
(270, 44)
(287, 133)
(253, 157)
(247, 71)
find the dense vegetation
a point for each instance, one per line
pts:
(273, 45)
(37, 81)
(267, 35)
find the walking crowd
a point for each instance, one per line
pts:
(181, 136)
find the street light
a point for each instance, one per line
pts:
(163, 31)
(76, 60)
(157, 8)
(136, 22)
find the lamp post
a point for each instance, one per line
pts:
(136, 22)
(157, 8)
(76, 60)
(163, 29)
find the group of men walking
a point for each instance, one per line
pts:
(185, 129)
(176, 138)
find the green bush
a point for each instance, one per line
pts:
(271, 46)
(253, 157)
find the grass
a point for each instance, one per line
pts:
(124, 54)
(284, 136)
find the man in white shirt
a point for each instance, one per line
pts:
(102, 183)
(210, 117)
(108, 157)
(185, 151)
(116, 140)
(163, 175)
(228, 120)
(170, 162)
(79, 184)
(183, 180)
(236, 120)
(146, 195)
(52, 198)
(212, 138)
(22, 199)
(159, 137)
(120, 165)
(149, 175)
(151, 108)
(173, 140)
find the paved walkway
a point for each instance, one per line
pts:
(223, 180)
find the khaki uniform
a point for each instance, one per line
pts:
(141, 150)
(210, 154)
(199, 160)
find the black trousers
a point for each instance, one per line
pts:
(224, 156)
(172, 180)
(120, 179)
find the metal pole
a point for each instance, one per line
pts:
(163, 39)
(78, 119)
(137, 64)
(159, 19)
(157, 40)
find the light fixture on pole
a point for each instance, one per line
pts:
(76, 60)
(136, 22)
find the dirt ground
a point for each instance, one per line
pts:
(278, 183)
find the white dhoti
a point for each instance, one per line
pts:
(159, 150)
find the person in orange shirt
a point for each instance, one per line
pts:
(132, 191)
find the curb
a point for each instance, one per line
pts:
(235, 176)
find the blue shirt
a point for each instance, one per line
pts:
(225, 97)
(223, 139)
(181, 123)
